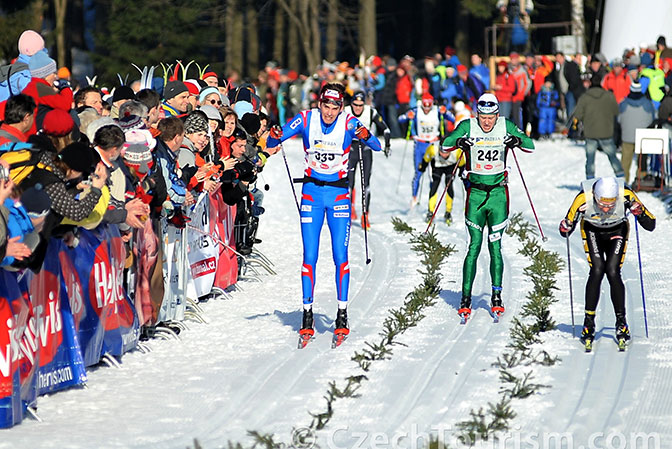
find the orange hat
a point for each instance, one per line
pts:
(63, 72)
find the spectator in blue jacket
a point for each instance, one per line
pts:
(547, 104)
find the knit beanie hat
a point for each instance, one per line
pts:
(173, 89)
(97, 124)
(138, 153)
(196, 122)
(41, 65)
(131, 122)
(30, 42)
(36, 201)
(57, 123)
(242, 107)
(78, 156)
(211, 112)
(251, 123)
(123, 93)
(140, 136)
(213, 90)
(635, 87)
(192, 86)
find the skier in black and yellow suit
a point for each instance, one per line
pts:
(601, 206)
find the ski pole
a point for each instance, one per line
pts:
(365, 217)
(403, 158)
(291, 180)
(438, 203)
(641, 279)
(571, 292)
(218, 240)
(543, 237)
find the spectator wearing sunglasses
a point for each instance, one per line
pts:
(212, 97)
(484, 141)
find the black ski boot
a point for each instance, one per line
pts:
(342, 319)
(307, 319)
(465, 308)
(428, 216)
(448, 218)
(496, 304)
(588, 332)
(341, 329)
(306, 333)
(622, 329)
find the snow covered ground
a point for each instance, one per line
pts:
(242, 371)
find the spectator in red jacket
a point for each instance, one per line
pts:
(523, 86)
(43, 89)
(505, 87)
(403, 90)
(617, 81)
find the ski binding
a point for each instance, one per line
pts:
(496, 312)
(465, 314)
(340, 335)
(305, 337)
(622, 344)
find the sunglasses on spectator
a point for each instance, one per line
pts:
(217, 102)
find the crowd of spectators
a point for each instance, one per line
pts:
(138, 156)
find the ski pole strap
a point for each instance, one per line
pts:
(485, 188)
(340, 183)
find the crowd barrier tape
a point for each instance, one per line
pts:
(56, 323)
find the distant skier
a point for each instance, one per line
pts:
(602, 206)
(485, 141)
(367, 116)
(327, 133)
(426, 127)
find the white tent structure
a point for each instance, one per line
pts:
(628, 24)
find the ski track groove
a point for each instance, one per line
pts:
(452, 349)
(281, 381)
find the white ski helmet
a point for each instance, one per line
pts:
(605, 193)
(487, 104)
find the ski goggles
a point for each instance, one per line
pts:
(605, 204)
(488, 107)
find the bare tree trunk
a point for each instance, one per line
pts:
(279, 38)
(61, 9)
(38, 15)
(367, 27)
(234, 44)
(332, 30)
(305, 17)
(462, 34)
(293, 55)
(578, 23)
(252, 24)
(315, 32)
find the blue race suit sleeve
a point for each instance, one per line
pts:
(372, 142)
(291, 129)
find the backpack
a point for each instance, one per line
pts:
(22, 158)
(13, 79)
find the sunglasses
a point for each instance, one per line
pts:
(487, 104)
(358, 105)
(217, 102)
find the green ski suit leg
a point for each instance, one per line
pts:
(480, 212)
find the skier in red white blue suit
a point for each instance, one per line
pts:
(327, 133)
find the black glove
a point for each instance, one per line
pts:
(61, 84)
(423, 166)
(464, 143)
(246, 171)
(512, 141)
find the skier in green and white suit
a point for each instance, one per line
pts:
(484, 141)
